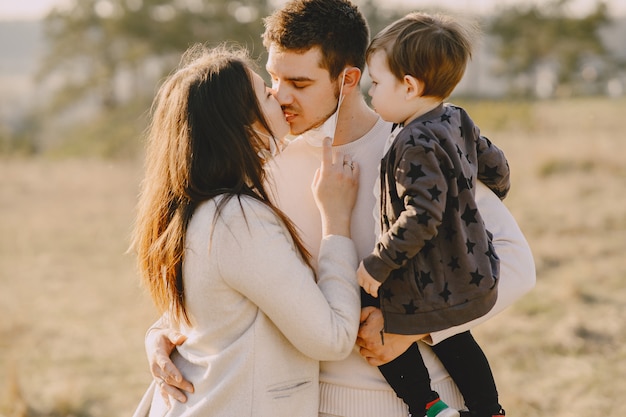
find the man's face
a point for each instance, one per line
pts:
(304, 89)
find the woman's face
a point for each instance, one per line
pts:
(272, 110)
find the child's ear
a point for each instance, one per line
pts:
(413, 87)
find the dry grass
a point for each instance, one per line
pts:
(72, 314)
(561, 351)
(72, 317)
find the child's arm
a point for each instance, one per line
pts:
(366, 281)
(420, 191)
(493, 167)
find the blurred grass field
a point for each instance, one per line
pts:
(73, 317)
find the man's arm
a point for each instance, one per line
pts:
(377, 347)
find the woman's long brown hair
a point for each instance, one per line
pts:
(200, 145)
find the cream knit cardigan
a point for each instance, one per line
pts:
(260, 322)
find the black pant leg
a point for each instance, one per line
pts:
(409, 378)
(467, 364)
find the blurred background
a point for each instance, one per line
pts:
(547, 83)
(74, 75)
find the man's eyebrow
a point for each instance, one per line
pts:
(300, 79)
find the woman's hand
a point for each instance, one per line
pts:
(335, 187)
(160, 343)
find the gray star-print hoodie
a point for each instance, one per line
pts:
(435, 258)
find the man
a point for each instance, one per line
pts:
(316, 58)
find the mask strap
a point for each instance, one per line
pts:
(341, 96)
(315, 136)
(335, 116)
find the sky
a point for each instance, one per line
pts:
(35, 9)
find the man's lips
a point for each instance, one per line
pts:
(289, 116)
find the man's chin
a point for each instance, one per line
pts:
(297, 130)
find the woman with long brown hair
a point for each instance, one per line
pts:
(222, 263)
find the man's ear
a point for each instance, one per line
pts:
(413, 87)
(353, 76)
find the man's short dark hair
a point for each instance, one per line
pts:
(337, 27)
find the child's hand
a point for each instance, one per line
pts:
(366, 281)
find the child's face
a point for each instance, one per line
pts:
(387, 92)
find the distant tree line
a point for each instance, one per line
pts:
(93, 41)
(534, 39)
(112, 53)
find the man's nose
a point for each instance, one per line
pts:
(281, 94)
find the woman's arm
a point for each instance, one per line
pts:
(335, 188)
(258, 259)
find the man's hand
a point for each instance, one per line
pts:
(159, 345)
(376, 347)
(366, 281)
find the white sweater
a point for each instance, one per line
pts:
(350, 387)
(260, 322)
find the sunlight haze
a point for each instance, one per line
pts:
(36, 9)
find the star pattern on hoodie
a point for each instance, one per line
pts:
(399, 233)
(400, 257)
(435, 192)
(463, 183)
(470, 246)
(415, 172)
(423, 218)
(459, 151)
(386, 293)
(449, 232)
(425, 279)
(458, 165)
(425, 137)
(410, 308)
(428, 246)
(445, 294)
(469, 215)
(490, 172)
(476, 277)
(454, 264)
